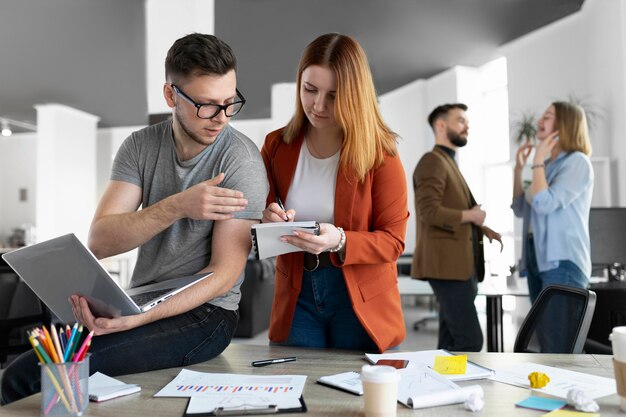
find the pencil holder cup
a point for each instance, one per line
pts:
(64, 388)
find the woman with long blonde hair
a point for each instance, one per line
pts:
(336, 162)
(555, 207)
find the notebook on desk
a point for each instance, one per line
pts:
(60, 267)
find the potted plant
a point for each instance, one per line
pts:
(524, 128)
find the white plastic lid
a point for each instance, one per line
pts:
(619, 331)
(379, 374)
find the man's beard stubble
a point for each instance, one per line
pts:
(456, 139)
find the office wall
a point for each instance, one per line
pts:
(65, 173)
(406, 109)
(403, 110)
(107, 143)
(166, 21)
(16, 172)
(585, 55)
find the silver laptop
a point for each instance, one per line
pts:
(60, 267)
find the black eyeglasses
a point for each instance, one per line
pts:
(209, 111)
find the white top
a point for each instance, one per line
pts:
(312, 191)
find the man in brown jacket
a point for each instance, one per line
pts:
(448, 250)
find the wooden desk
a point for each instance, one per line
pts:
(323, 401)
(492, 288)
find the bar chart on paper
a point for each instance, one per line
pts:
(238, 389)
(196, 384)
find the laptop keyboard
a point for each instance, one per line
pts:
(146, 297)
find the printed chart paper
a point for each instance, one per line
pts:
(201, 384)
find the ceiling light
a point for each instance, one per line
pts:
(6, 130)
(6, 124)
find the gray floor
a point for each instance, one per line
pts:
(425, 338)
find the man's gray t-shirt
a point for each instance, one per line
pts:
(148, 159)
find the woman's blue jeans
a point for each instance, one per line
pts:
(555, 333)
(324, 317)
(567, 273)
(196, 336)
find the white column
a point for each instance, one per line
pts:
(66, 171)
(283, 103)
(166, 21)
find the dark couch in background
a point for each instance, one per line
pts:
(257, 293)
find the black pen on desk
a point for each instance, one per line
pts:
(282, 206)
(273, 361)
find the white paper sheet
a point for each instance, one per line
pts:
(201, 405)
(102, 387)
(427, 358)
(201, 384)
(347, 381)
(420, 382)
(561, 380)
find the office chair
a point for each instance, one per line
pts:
(558, 321)
(21, 311)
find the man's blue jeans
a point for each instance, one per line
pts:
(324, 317)
(196, 336)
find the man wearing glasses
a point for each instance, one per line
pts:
(200, 185)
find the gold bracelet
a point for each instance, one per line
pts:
(538, 166)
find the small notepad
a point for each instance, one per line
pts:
(103, 387)
(346, 381)
(266, 237)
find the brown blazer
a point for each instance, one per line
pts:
(444, 248)
(373, 214)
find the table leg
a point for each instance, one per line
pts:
(495, 337)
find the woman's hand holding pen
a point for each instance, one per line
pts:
(274, 213)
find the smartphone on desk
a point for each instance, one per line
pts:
(395, 363)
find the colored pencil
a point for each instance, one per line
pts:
(70, 343)
(46, 360)
(83, 349)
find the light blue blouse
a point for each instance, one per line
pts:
(560, 214)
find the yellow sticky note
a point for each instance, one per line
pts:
(456, 364)
(568, 413)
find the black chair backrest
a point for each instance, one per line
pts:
(558, 321)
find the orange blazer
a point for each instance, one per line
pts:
(373, 214)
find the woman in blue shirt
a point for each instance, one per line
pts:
(555, 206)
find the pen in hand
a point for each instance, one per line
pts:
(273, 361)
(282, 207)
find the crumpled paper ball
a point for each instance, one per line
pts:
(538, 379)
(577, 398)
(474, 402)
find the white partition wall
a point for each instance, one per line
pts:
(66, 174)
(283, 103)
(166, 21)
(404, 110)
(18, 155)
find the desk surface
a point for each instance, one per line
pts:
(491, 286)
(323, 401)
